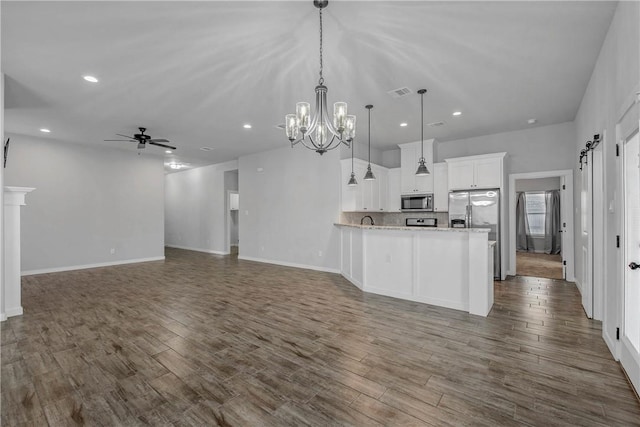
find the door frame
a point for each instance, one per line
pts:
(227, 220)
(566, 205)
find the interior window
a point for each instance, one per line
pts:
(535, 208)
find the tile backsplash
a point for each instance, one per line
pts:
(393, 218)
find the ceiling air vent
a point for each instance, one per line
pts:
(435, 124)
(399, 93)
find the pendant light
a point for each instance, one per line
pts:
(320, 133)
(369, 175)
(422, 166)
(352, 180)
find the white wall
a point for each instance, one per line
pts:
(231, 184)
(289, 200)
(88, 200)
(195, 208)
(615, 78)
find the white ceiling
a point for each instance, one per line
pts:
(195, 72)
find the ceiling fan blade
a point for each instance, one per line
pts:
(125, 140)
(125, 136)
(161, 145)
(158, 140)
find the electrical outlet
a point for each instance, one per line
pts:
(261, 248)
(113, 251)
(319, 253)
(388, 258)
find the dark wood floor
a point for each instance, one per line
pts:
(209, 340)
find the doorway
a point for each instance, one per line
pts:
(533, 260)
(233, 239)
(538, 228)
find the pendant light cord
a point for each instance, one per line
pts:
(321, 80)
(369, 136)
(422, 124)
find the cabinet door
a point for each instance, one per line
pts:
(488, 173)
(461, 175)
(409, 166)
(363, 191)
(440, 188)
(383, 184)
(393, 198)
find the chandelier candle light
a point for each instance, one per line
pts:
(320, 133)
(422, 166)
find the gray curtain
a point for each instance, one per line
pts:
(552, 224)
(523, 240)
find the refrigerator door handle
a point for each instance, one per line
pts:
(469, 215)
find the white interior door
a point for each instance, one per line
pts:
(630, 339)
(586, 237)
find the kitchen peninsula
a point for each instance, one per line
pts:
(447, 267)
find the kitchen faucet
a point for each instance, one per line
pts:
(366, 216)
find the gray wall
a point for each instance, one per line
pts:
(88, 200)
(196, 208)
(289, 200)
(615, 79)
(539, 184)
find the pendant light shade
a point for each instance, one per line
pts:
(369, 176)
(422, 163)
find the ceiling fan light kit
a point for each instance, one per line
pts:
(320, 133)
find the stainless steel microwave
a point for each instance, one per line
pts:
(417, 203)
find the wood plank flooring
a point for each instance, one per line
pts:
(209, 340)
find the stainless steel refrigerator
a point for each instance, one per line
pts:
(478, 209)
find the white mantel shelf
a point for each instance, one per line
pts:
(11, 298)
(447, 267)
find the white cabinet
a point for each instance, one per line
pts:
(393, 193)
(366, 196)
(485, 171)
(410, 154)
(440, 187)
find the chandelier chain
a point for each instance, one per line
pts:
(321, 80)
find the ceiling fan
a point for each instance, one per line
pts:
(143, 139)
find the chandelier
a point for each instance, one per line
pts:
(320, 133)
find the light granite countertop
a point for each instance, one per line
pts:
(404, 227)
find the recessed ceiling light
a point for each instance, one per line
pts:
(168, 151)
(532, 121)
(45, 130)
(90, 79)
(246, 126)
(403, 124)
(457, 113)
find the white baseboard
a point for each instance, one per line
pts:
(15, 311)
(408, 297)
(85, 266)
(3, 317)
(612, 343)
(291, 264)
(207, 251)
(353, 282)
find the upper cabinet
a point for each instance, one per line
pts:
(393, 193)
(468, 173)
(366, 196)
(440, 187)
(410, 154)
